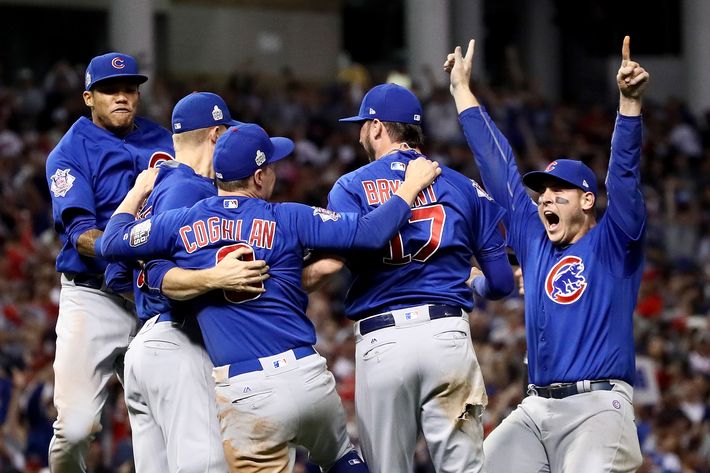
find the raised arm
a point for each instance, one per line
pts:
(626, 205)
(491, 149)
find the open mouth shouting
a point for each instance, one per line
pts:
(552, 220)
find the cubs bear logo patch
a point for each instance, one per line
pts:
(565, 282)
(62, 181)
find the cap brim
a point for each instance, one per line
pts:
(137, 78)
(353, 119)
(535, 180)
(282, 148)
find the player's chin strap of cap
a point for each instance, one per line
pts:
(563, 390)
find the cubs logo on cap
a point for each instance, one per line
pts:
(569, 171)
(389, 103)
(112, 66)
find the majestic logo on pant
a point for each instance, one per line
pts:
(565, 283)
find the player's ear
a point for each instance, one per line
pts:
(88, 98)
(258, 177)
(215, 132)
(588, 200)
(376, 128)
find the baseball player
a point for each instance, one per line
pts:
(581, 278)
(415, 363)
(88, 173)
(168, 376)
(273, 389)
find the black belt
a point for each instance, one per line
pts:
(93, 281)
(385, 320)
(561, 391)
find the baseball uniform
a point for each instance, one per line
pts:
(579, 300)
(415, 363)
(167, 370)
(168, 375)
(90, 171)
(273, 389)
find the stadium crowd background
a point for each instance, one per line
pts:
(672, 331)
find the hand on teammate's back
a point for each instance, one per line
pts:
(419, 175)
(421, 172)
(146, 180)
(235, 274)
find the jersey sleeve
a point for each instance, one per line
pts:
(341, 199)
(127, 238)
(486, 224)
(496, 162)
(626, 207)
(623, 225)
(119, 277)
(69, 186)
(325, 229)
(155, 271)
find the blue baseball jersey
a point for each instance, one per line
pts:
(92, 170)
(177, 186)
(429, 260)
(579, 298)
(241, 326)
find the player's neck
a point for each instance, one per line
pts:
(390, 148)
(120, 132)
(240, 193)
(198, 159)
(589, 223)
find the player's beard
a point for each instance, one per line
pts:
(369, 149)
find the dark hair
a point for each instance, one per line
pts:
(405, 132)
(231, 186)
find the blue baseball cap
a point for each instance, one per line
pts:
(244, 148)
(389, 103)
(110, 66)
(571, 171)
(200, 110)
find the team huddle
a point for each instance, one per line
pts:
(179, 275)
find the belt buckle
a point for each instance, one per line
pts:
(532, 390)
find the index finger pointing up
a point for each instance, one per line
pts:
(626, 50)
(469, 51)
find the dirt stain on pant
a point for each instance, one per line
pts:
(274, 460)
